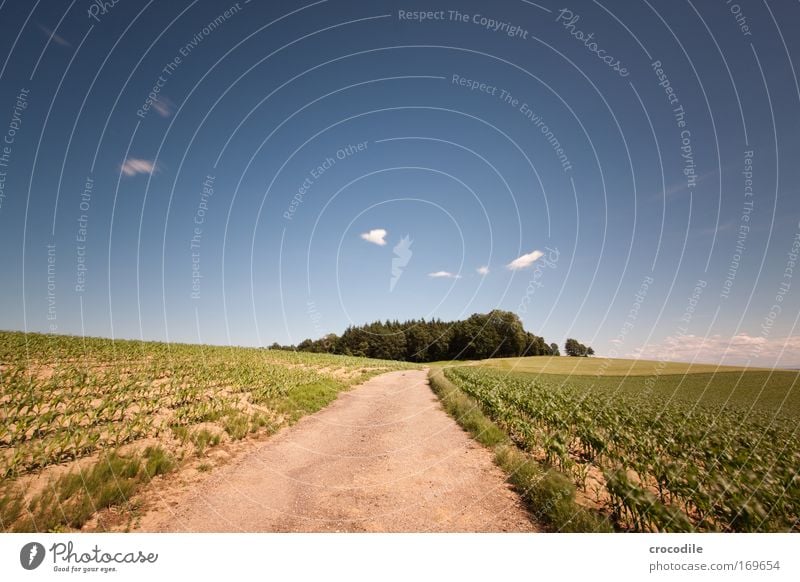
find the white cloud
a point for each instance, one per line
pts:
(483, 270)
(524, 261)
(133, 166)
(54, 37)
(444, 275)
(739, 349)
(375, 236)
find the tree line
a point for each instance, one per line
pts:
(497, 334)
(575, 348)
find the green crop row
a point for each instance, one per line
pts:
(63, 398)
(652, 464)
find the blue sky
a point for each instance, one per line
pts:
(278, 133)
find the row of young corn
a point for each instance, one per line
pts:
(653, 464)
(62, 398)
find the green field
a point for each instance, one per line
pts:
(603, 366)
(670, 449)
(763, 390)
(89, 420)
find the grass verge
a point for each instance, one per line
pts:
(307, 398)
(548, 493)
(69, 501)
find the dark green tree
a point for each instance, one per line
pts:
(497, 334)
(572, 347)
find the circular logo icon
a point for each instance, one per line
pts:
(31, 555)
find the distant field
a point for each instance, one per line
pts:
(606, 366)
(763, 390)
(88, 420)
(777, 392)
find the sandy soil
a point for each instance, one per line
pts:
(384, 457)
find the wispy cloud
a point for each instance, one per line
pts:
(134, 166)
(483, 270)
(54, 37)
(680, 185)
(524, 261)
(402, 255)
(163, 106)
(721, 228)
(444, 275)
(376, 236)
(739, 349)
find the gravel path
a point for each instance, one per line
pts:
(384, 457)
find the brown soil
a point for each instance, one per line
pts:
(384, 457)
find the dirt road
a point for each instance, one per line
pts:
(384, 457)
